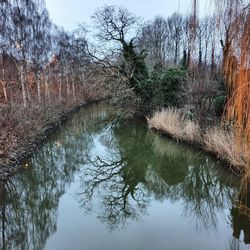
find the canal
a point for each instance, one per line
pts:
(100, 184)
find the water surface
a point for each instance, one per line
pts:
(100, 185)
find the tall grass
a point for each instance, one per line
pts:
(222, 143)
(175, 124)
(215, 140)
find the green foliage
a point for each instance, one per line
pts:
(184, 60)
(162, 88)
(219, 100)
(218, 104)
(166, 87)
(139, 69)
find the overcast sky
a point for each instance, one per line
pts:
(69, 13)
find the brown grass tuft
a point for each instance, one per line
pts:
(223, 143)
(174, 123)
(215, 140)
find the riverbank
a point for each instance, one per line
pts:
(24, 129)
(214, 140)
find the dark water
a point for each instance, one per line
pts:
(97, 185)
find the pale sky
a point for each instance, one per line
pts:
(69, 13)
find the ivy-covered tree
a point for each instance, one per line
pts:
(116, 25)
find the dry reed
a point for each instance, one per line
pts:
(215, 140)
(175, 124)
(221, 143)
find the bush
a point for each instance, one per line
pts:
(205, 95)
(219, 100)
(166, 88)
(219, 104)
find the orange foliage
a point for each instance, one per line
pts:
(235, 15)
(236, 69)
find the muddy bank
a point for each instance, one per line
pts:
(12, 162)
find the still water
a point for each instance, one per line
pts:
(100, 185)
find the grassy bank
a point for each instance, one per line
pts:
(215, 140)
(23, 129)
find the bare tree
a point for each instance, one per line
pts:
(117, 25)
(154, 39)
(5, 30)
(41, 45)
(175, 23)
(21, 38)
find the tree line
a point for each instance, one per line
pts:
(38, 59)
(173, 61)
(167, 61)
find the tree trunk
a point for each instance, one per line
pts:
(22, 78)
(82, 77)
(27, 88)
(205, 56)
(73, 86)
(4, 85)
(47, 94)
(212, 59)
(67, 84)
(176, 54)
(60, 87)
(4, 91)
(189, 66)
(200, 53)
(39, 86)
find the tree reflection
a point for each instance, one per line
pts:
(118, 180)
(240, 212)
(202, 187)
(142, 165)
(29, 201)
(122, 168)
